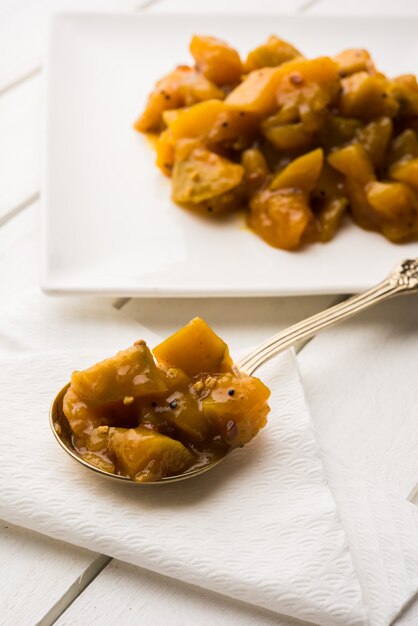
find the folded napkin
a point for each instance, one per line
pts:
(261, 527)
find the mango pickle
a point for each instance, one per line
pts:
(150, 415)
(262, 134)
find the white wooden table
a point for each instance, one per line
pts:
(43, 581)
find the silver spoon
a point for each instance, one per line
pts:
(403, 279)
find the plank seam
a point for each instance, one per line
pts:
(19, 208)
(20, 79)
(308, 5)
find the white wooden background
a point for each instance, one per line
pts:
(43, 581)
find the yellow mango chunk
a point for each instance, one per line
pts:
(256, 169)
(146, 455)
(200, 175)
(365, 96)
(397, 208)
(215, 123)
(280, 217)
(361, 211)
(165, 152)
(182, 87)
(354, 60)
(375, 138)
(257, 92)
(301, 173)
(81, 417)
(131, 373)
(405, 90)
(405, 171)
(195, 348)
(288, 136)
(196, 121)
(353, 162)
(403, 145)
(270, 54)
(237, 407)
(338, 130)
(329, 216)
(219, 62)
(181, 412)
(307, 84)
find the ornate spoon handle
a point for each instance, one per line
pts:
(404, 278)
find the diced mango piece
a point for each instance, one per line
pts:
(270, 54)
(255, 167)
(200, 175)
(81, 417)
(182, 87)
(233, 129)
(146, 455)
(397, 208)
(405, 171)
(403, 145)
(216, 123)
(365, 97)
(197, 120)
(280, 217)
(375, 138)
(195, 348)
(329, 217)
(308, 84)
(131, 373)
(180, 411)
(288, 136)
(353, 162)
(354, 60)
(165, 152)
(301, 173)
(237, 407)
(257, 92)
(361, 211)
(405, 89)
(338, 130)
(98, 461)
(216, 60)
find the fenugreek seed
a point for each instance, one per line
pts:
(198, 386)
(210, 382)
(296, 79)
(128, 400)
(103, 429)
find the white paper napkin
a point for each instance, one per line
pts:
(262, 527)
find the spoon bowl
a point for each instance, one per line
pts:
(403, 279)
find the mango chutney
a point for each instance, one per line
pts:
(152, 415)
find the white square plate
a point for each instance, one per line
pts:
(109, 225)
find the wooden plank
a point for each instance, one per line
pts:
(19, 145)
(242, 7)
(363, 7)
(23, 29)
(38, 572)
(124, 594)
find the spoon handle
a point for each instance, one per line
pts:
(404, 278)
